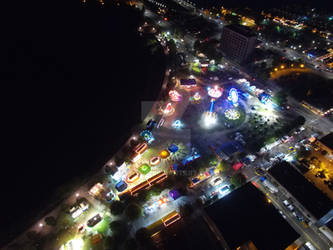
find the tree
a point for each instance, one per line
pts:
(238, 179)
(118, 160)
(303, 153)
(280, 98)
(111, 243)
(133, 211)
(50, 220)
(117, 207)
(119, 229)
(130, 244)
(33, 235)
(196, 45)
(142, 236)
(133, 143)
(172, 47)
(186, 210)
(299, 121)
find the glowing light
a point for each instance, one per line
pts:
(209, 119)
(164, 154)
(155, 161)
(136, 157)
(177, 124)
(196, 96)
(175, 96)
(169, 109)
(302, 65)
(233, 96)
(40, 224)
(77, 195)
(132, 177)
(264, 98)
(232, 114)
(289, 158)
(144, 169)
(211, 109)
(141, 148)
(96, 189)
(215, 92)
(75, 244)
(148, 136)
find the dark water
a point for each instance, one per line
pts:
(72, 79)
(262, 4)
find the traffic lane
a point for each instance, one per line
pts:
(307, 233)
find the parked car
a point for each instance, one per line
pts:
(94, 220)
(217, 181)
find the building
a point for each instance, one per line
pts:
(311, 198)
(326, 144)
(237, 42)
(244, 219)
(228, 149)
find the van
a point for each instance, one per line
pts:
(286, 202)
(290, 207)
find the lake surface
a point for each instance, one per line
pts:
(72, 78)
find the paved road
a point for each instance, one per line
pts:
(310, 233)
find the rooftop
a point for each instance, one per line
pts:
(327, 140)
(229, 148)
(307, 194)
(245, 215)
(243, 30)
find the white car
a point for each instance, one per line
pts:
(290, 207)
(217, 181)
(286, 202)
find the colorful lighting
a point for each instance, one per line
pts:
(155, 161)
(209, 119)
(215, 92)
(175, 96)
(144, 169)
(232, 114)
(211, 109)
(264, 98)
(147, 136)
(177, 124)
(196, 96)
(233, 96)
(169, 109)
(132, 176)
(164, 154)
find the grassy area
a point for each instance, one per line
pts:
(234, 123)
(103, 226)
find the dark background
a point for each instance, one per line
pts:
(72, 81)
(72, 78)
(262, 4)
